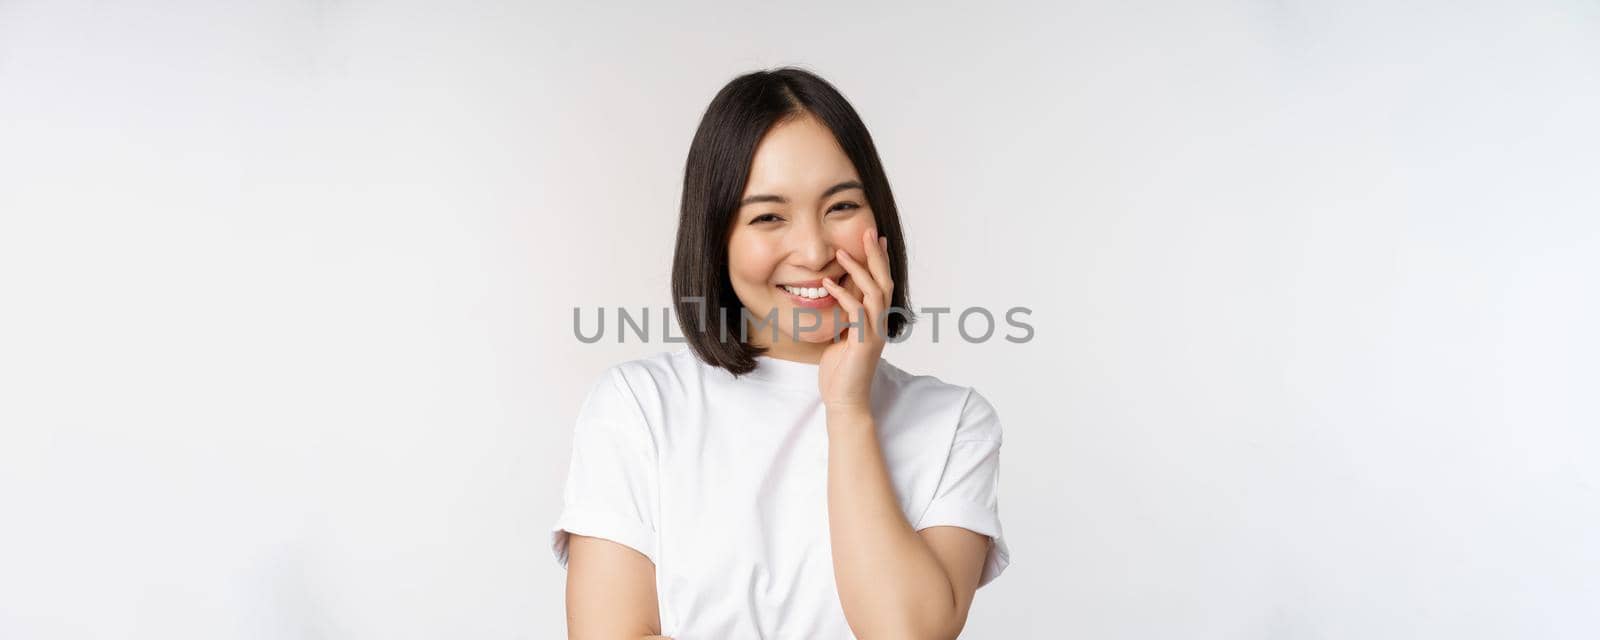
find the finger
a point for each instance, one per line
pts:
(852, 306)
(871, 294)
(878, 262)
(841, 294)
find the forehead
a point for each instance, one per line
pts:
(797, 158)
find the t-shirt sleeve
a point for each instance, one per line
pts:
(968, 494)
(611, 484)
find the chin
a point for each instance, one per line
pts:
(818, 337)
(814, 336)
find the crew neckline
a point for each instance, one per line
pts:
(788, 373)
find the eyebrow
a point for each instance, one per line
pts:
(767, 197)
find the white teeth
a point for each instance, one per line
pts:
(807, 292)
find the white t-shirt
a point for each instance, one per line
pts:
(723, 483)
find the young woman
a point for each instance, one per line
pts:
(784, 481)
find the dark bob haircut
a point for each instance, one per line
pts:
(714, 178)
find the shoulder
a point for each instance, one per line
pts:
(927, 396)
(638, 395)
(979, 419)
(658, 377)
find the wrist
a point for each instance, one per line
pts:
(847, 413)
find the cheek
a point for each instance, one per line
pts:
(847, 236)
(750, 262)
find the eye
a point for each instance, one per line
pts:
(765, 217)
(844, 206)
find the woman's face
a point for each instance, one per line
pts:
(803, 202)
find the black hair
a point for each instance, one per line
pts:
(714, 178)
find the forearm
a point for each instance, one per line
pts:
(890, 583)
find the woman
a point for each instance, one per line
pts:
(777, 478)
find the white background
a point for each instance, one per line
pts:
(286, 299)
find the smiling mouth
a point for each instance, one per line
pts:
(812, 293)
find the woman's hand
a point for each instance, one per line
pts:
(848, 365)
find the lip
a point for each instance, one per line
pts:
(807, 303)
(814, 284)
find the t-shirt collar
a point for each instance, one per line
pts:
(788, 373)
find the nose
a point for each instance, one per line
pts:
(809, 245)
